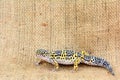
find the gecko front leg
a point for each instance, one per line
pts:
(55, 63)
(38, 61)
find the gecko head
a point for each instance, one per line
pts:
(42, 53)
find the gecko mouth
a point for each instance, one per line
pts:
(42, 57)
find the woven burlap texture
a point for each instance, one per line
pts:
(27, 25)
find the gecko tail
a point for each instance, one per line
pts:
(96, 61)
(108, 67)
(103, 63)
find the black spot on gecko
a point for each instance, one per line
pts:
(69, 52)
(105, 64)
(98, 61)
(79, 54)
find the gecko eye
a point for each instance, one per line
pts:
(44, 55)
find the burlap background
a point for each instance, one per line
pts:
(27, 25)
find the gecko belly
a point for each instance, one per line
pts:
(65, 62)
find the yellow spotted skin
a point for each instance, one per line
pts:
(70, 57)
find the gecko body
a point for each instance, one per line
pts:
(70, 57)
